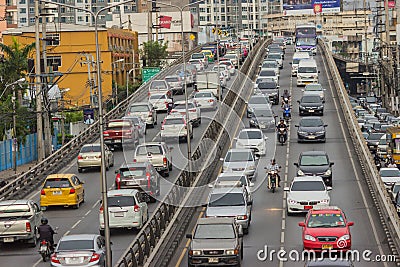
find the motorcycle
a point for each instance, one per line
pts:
(45, 248)
(272, 180)
(282, 135)
(286, 113)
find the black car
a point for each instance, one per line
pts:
(269, 88)
(263, 118)
(315, 163)
(311, 105)
(373, 141)
(311, 129)
(327, 262)
(141, 176)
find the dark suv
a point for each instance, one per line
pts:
(216, 242)
(315, 163)
(141, 176)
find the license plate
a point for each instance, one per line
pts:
(57, 192)
(117, 140)
(212, 260)
(132, 183)
(8, 239)
(118, 214)
(311, 137)
(73, 260)
(311, 110)
(262, 126)
(327, 246)
(307, 207)
(43, 248)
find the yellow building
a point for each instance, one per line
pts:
(71, 52)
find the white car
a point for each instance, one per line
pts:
(143, 110)
(268, 74)
(160, 101)
(231, 67)
(205, 100)
(233, 57)
(305, 193)
(253, 139)
(194, 111)
(176, 127)
(224, 69)
(314, 89)
(270, 65)
(277, 57)
(222, 79)
(234, 180)
(198, 63)
(389, 176)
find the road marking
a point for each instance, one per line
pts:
(78, 222)
(37, 263)
(67, 233)
(375, 232)
(95, 204)
(87, 213)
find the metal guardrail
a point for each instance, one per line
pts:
(165, 214)
(387, 213)
(25, 183)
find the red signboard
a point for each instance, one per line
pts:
(392, 4)
(165, 22)
(317, 8)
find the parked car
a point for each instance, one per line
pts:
(253, 139)
(315, 163)
(157, 153)
(80, 250)
(90, 156)
(20, 220)
(144, 110)
(62, 190)
(240, 160)
(127, 209)
(311, 129)
(176, 127)
(311, 105)
(121, 133)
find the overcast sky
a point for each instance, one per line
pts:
(353, 4)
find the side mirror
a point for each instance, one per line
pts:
(323, 101)
(325, 125)
(286, 189)
(296, 126)
(332, 163)
(302, 224)
(350, 223)
(112, 148)
(296, 164)
(235, 138)
(329, 188)
(290, 63)
(257, 156)
(298, 101)
(116, 171)
(302, 90)
(82, 182)
(277, 86)
(189, 236)
(319, 71)
(266, 138)
(111, 243)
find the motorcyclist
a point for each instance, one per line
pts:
(46, 232)
(275, 167)
(286, 106)
(170, 106)
(282, 124)
(391, 163)
(285, 95)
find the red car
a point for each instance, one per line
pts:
(326, 228)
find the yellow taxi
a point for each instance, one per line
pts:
(62, 190)
(209, 54)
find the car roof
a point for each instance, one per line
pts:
(307, 178)
(219, 220)
(134, 164)
(139, 104)
(312, 153)
(122, 192)
(60, 175)
(227, 190)
(387, 169)
(93, 144)
(180, 102)
(311, 118)
(240, 150)
(250, 130)
(14, 202)
(328, 209)
(79, 237)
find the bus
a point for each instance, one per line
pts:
(306, 38)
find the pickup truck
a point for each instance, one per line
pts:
(157, 153)
(19, 221)
(121, 132)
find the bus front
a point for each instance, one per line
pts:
(306, 39)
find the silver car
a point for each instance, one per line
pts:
(160, 101)
(240, 160)
(90, 156)
(80, 250)
(144, 110)
(176, 127)
(314, 89)
(205, 100)
(234, 180)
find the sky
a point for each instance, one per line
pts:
(354, 4)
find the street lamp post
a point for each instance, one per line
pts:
(181, 8)
(101, 117)
(127, 81)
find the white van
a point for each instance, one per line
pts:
(307, 72)
(296, 59)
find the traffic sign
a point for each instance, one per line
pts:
(192, 37)
(148, 73)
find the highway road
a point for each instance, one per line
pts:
(270, 227)
(86, 218)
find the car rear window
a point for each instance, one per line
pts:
(172, 79)
(121, 201)
(57, 183)
(118, 124)
(153, 149)
(88, 149)
(173, 121)
(205, 94)
(158, 84)
(250, 135)
(14, 208)
(242, 179)
(139, 108)
(75, 245)
(214, 231)
(238, 156)
(133, 173)
(182, 106)
(228, 199)
(197, 55)
(308, 186)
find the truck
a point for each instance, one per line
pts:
(19, 221)
(209, 82)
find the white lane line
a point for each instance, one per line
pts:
(155, 137)
(282, 237)
(95, 204)
(283, 224)
(375, 232)
(67, 233)
(87, 213)
(37, 263)
(78, 222)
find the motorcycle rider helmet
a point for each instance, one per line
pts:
(282, 120)
(44, 220)
(273, 161)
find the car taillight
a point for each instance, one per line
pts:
(43, 242)
(95, 257)
(80, 157)
(148, 180)
(99, 156)
(42, 192)
(162, 127)
(148, 93)
(28, 227)
(165, 161)
(192, 110)
(129, 132)
(101, 209)
(211, 100)
(106, 134)
(118, 181)
(134, 160)
(72, 191)
(54, 259)
(136, 208)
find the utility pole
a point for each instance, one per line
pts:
(366, 47)
(14, 140)
(149, 21)
(390, 57)
(39, 127)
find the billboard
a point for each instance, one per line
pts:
(299, 7)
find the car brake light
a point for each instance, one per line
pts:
(95, 257)
(148, 180)
(54, 259)
(106, 134)
(192, 110)
(72, 191)
(162, 127)
(150, 114)
(28, 227)
(118, 181)
(80, 157)
(211, 100)
(101, 209)
(42, 192)
(136, 208)
(165, 161)
(134, 160)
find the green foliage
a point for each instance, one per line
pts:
(155, 53)
(67, 138)
(74, 116)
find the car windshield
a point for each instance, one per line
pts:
(152, 149)
(214, 231)
(68, 245)
(207, 53)
(310, 99)
(325, 220)
(395, 189)
(88, 149)
(205, 94)
(270, 64)
(308, 186)
(263, 113)
(141, 108)
(307, 70)
(57, 183)
(226, 199)
(158, 84)
(134, 172)
(230, 56)
(313, 87)
(220, 67)
(157, 97)
(267, 85)
(121, 201)
(197, 55)
(267, 73)
(311, 123)
(182, 106)
(14, 208)
(236, 156)
(173, 121)
(258, 100)
(390, 173)
(375, 136)
(250, 135)
(172, 79)
(314, 160)
(274, 56)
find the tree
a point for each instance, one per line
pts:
(155, 53)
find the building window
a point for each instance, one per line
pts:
(54, 62)
(32, 20)
(222, 9)
(202, 10)
(22, 2)
(22, 10)
(193, 9)
(22, 20)
(31, 10)
(244, 8)
(202, 18)
(53, 39)
(80, 19)
(244, 17)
